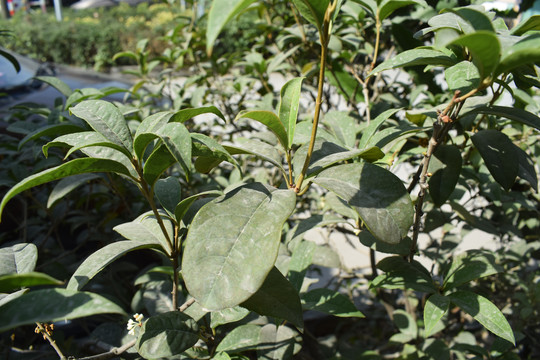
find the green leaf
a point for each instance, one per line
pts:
(256, 147)
(18, 259)
(184, 205)
(177, 139)
(169, 192)
(469, 266)
(50, 130)
(512, 113)
(313, 10)
(271, 121)
(278, 342)
(327, 153)
(278, 298)
(12, 59)
(186, 114)
(106, 119)
(436, 306)
(227, 316)
(445, 165)
(301, 258)
(463, 76)
(166, 335)
(379, 197)
(478, 19)
(73, 167)
(499, 155)
(205, 146)
(400, 274)
(5, 298)
(526, 168)
(84, 139)
(56, 83)
(484, 312)
(235, 239)
(402, 248)
(221, 12)
(146, 131)
(67, 185)
(52, 305)
(145, 229)
(241, 338)
(373, 127)
(103, 257)
(288, 107)
(532, 23)
(159, 160)
(422, 56)
(485, 49)
(525, 51)
(10, 282)
(406, 325)
(387, 7)
(330, 302)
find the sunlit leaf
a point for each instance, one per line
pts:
(330, 302)
(483, 310)
(271, 121)
(241, 338)
(278, 298)
(73, 167)
(499, 155)
(288, 107)
(18, 259)
(378, 196)
(52, 305)
(16, 281)
(221, 12)
(436, 306)
(235, 238)
(166, 335)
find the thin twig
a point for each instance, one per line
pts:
(112, 353)
(51, 341)
(187, 304)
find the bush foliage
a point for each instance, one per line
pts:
(179, 223)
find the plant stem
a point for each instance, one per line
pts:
(324, 37)
(114, 352)
(51, 341)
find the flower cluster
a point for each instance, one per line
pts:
(131, 325)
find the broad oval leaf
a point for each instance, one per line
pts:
(499, 155)
(186, 114)
(166, 335)
(103, 257)
(227, 316)
(73, 167)
(56, 83)
(512, 113)
(470, 266)
(436, 306)
(313, 10)
(463, 76)
(221, 12)
(525, 51)
(146, 131)
(242, 338)
(422, 56)
(256, 147)
(51, 305)
(106, 119)
(145, 229)
(10, 282)
(485, 312)
(278, 298)
(379, 197)
(445, 165)
(235, 239)
(271, 121)
(330, 302)
(401, 274)
(485, 49)
(387, 7)
(169, 192)
(159, 160)
(278, 342)
(84, 139)
(18, 259)
(288, 107)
